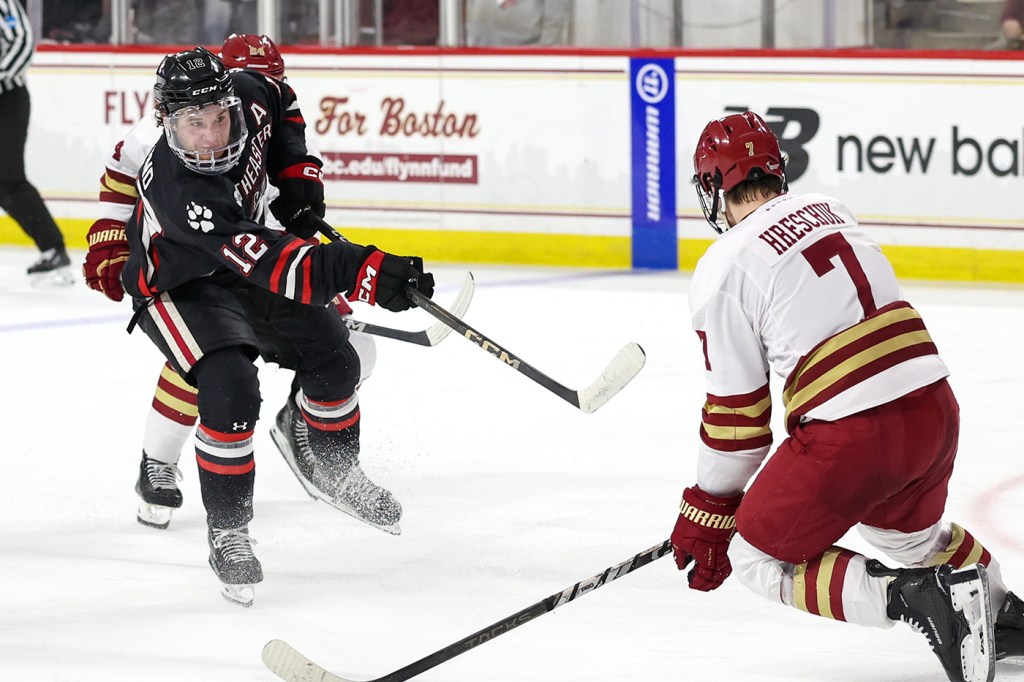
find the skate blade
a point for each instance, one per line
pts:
(242, 595)
(289, 457)
(969, 592)
(392, 529)
(61, 277)
(154, 515)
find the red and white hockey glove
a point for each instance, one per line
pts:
(108, 252)
(703, 530)
(383, 278)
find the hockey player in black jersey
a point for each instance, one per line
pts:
(213, 288)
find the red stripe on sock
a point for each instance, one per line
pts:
(182, 394)
(225, 437)
(835, 587)
(228, 470)
(331, 426)
(811, 586)
(963, 551)
(174, 415)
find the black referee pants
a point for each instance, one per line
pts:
(17, 195)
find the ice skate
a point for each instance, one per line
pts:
(157, 488)
(335, 478)
(1010, 628)
(291, 436)
(52, 269)
(951, 608)
(234, 563)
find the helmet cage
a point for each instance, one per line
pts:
(213, 160)
(732, 150)
(712, 198)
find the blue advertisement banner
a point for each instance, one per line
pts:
(653, 123)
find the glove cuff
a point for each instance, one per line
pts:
(365, 289)
(303, 171)
(711, 511)
(106, 230)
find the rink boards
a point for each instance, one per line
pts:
(585, 158)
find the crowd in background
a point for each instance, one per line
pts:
(400, 22)
(913, 24)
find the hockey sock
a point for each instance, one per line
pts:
(836, 585)
(227, 472)
(962, 549)
(173, 413)
(333, 422)
(229, 405)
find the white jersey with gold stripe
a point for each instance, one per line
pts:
(797, 287)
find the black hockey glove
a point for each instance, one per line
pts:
(303, 222)
(301, 197)
(383, 279)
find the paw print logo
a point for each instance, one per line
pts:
(199, 217)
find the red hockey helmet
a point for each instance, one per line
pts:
(731, 150)
(251, 51)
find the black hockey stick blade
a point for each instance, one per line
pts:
(619, 372)
(290, 665)
(431, 336)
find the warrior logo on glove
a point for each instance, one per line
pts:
(703, 530)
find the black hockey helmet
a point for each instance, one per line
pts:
(190, 78)
(202, 117)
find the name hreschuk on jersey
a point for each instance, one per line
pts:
(798, 288)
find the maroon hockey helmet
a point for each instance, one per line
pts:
(731, 150)
(251, 51)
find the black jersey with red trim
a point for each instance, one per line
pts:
(188, 225)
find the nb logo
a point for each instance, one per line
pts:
(781, 121)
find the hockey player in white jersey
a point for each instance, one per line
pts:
(793, 285)
(174, 410)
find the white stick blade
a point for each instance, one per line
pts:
(439, 330)
(288, 664)
(623, 367)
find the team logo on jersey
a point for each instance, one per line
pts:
(199, 217)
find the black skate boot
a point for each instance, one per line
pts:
(291, 436)
(231, 558)
(1010, 627)
(158, 492)
(330, 474)
(52, 268)
(951, 609)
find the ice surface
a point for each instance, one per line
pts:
(509, 493)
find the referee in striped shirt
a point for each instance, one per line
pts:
(18, 196)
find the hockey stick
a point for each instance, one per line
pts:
(619, 372)
(288, 664)
(626, 364)
(431, 336)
